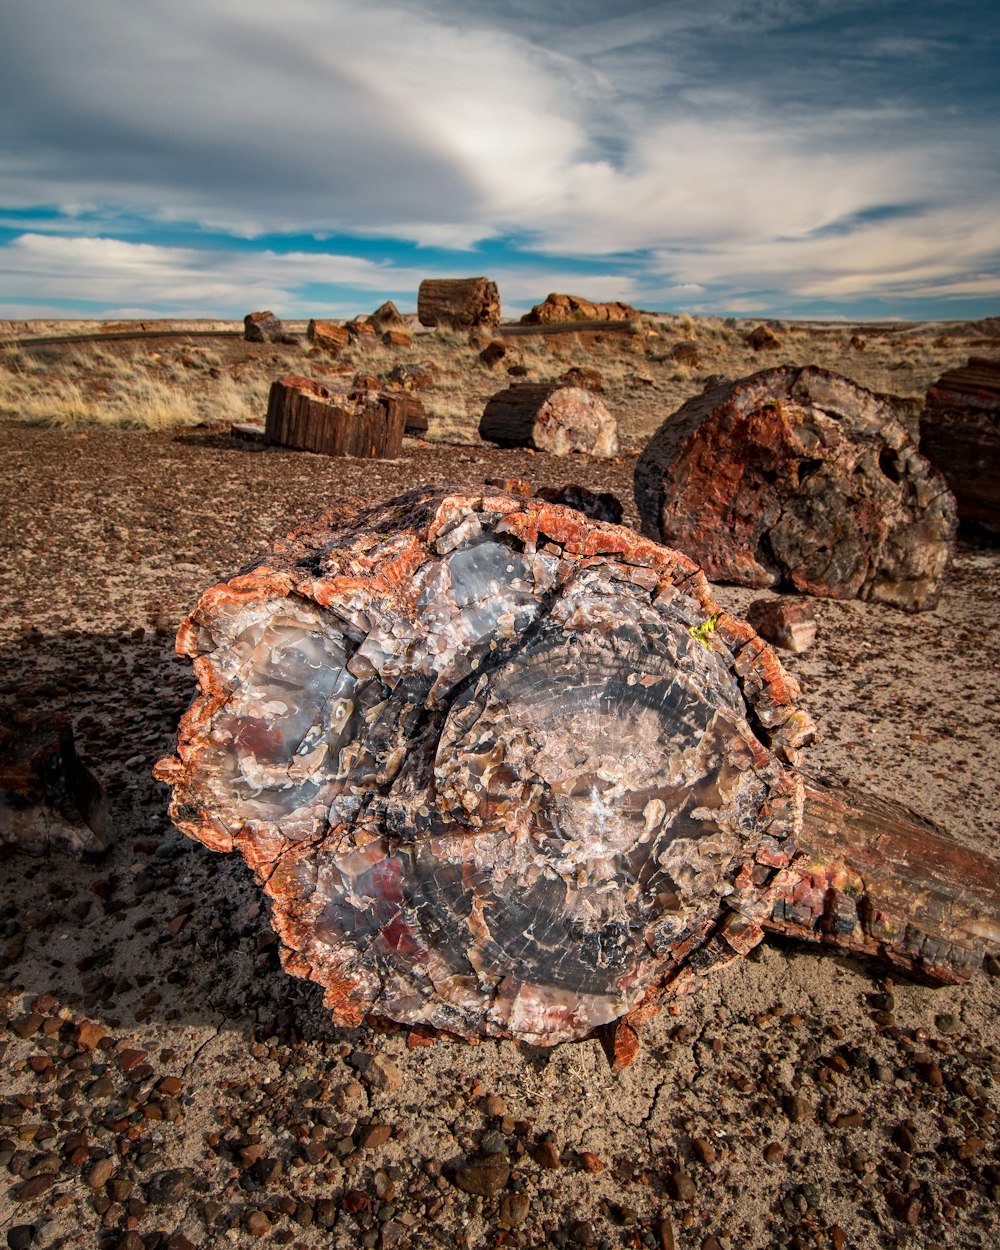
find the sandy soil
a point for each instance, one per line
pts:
(161, 1079)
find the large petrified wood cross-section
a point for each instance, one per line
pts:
(504, 770)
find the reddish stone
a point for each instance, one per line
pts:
(786, 623)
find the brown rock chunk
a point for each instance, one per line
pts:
(789, 624)
(763, 339)
(583, 375)
(387, 319)
(458, 303)
(485, 1177)
(546, 1154)
(397, 338)
(557, 308)
(328, 335)
(550, 417)
(686, 352)
(498, 351)
(375, 1136)
(799, 477)
(514, 1210)
(257, 1223)
(49, 800)
(960, 435)
(99, 1173)
(413, 375)
(262, 327)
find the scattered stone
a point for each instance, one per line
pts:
(514, 1210)
(257, 1223)
(665, 1233)
(546, 1154)
(799, 477)
(329, 336)
(21, 1236)
(774, 1152)
(686, 352)
(786, 623)
(681, 1185)
(375, 1136)
(591, 1162)
(99, 1173)
(799, 1109)
(484, 1176)
(763, 339)
(262, 327)
(704, 1151)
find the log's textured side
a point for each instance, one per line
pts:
(502, 769)
(799, 477)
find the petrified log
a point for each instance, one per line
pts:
(558, 308)
(305, 414)
(799, 477)
(763, 339)
(458, 303)
(328, 335)
(49, 800)
(552, 417)
(262, 327)
(388, 317)
(506, 771)
(397, 338)
(960, 435)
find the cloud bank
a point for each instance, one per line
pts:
(806, 156)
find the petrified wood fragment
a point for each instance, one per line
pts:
(960, 435)
(556, 308)
(787, 623)
(503, 770)
(262, 327)
(458, 303)
(552, 417)
(328, 335)
(799, 477)
(49, 799)
(308, 415)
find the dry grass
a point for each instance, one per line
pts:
(157, 384)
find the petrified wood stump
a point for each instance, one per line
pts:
(504, 770)
(552, 417)
(305, 414)
(960, 435)
(459, 303)
(799, 477)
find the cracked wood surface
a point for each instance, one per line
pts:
(504, 770)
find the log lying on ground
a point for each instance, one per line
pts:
(328, 335)
(552, 417)
(799, 477)
(504, 770)
(458, 303)
(558, 308)
(960, 435)
(49, 800)
(305, 414)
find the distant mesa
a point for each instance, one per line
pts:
(458, 303)
(559, 308)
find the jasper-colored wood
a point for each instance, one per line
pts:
(552, 417)
(960, 435)
(799, 478)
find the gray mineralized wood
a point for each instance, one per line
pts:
(797, 477)
(552, 417)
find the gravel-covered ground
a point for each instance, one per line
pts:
(163, 1083)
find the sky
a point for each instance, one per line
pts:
(786, 158)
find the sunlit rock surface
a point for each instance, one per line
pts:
(501, 769)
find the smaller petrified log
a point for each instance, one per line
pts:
(799, 477)
(361, 330)
(328, 335)
(583, 375)
(960, 435)
(397, 338)
(49, 800)
(557, 308)
(552, 417)
(262, 327)
(305, 414)
(789, 624)
(497, 352)
(458, 302)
